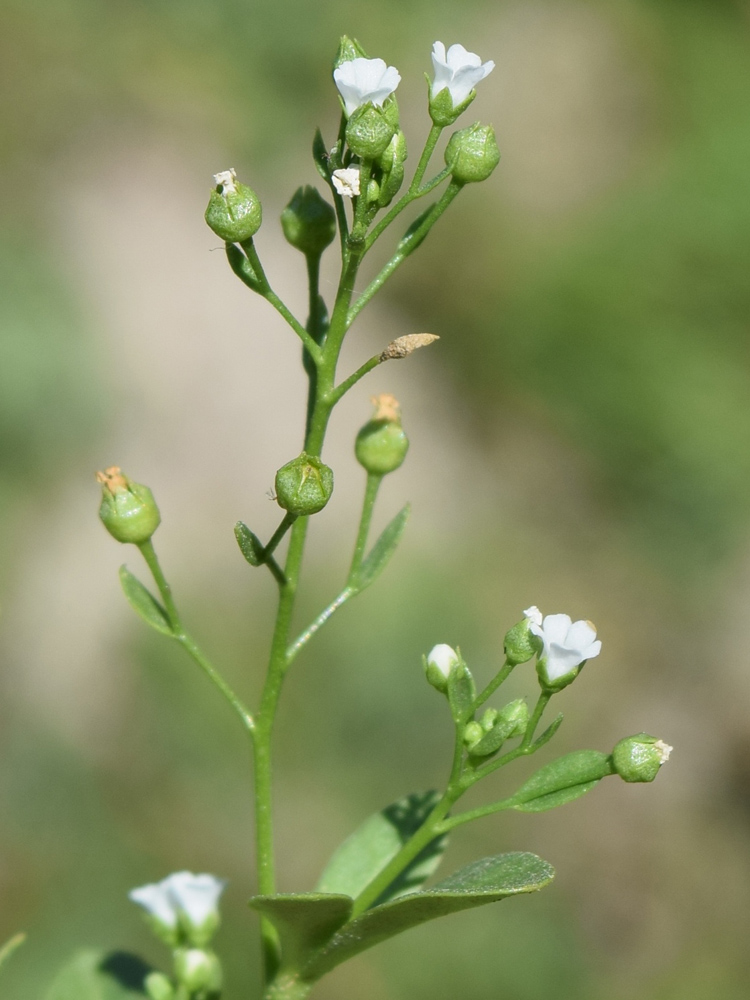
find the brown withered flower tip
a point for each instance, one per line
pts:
(402, 347)
(113, 479)
(386, 407)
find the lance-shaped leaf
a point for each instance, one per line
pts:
(144, 603)
(305, 921)
(548, 733)
(374, 844)
(485, 881)
(380, 554)
(96, 975)
(320, 155)
(564, 780)
(249, 543)
(494, 739)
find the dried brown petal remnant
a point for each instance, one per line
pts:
(113, 479)
(402, 347)
(386, 407)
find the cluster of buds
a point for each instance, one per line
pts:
(183, 911)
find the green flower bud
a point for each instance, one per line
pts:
(472, 153)
(368, 132)
(158, 986)
(439, 663)
(128, 510)
(520, 643)
(638, 758)
(349, 49)
(197, 970)
(473, 733)
(304, 485)
(381, 445)
(391, 162)
(234, 211)
(309, 222)
(489, 719)
(515, 718)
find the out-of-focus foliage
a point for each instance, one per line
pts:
(593, 312)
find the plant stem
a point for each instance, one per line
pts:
(494, 684)
(429, 148)
(187, 641)
(352, 380)
(536, 715)
(467, 817)
(368, 505)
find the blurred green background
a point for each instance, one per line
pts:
(580, 440)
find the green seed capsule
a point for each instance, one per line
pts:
(369, 132)
(472, 153)
(639, 758)
(304, 485)
(309, 222)
(128, 510)
(381, 445)
(234, 212)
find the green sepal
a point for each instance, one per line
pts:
(380, 554)
(563, 780)
(461, 693)
(99, 975)
(441, 108)
(249, 543)
(485, 881)
(143, 602)
(548, 733)
(374, 844)
(306, 922)
(491, 743)
(242, 267)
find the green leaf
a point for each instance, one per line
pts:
(144, 603)
(410, 241)
(10, 946)
(96, 975)
(484, 881)
(320, 155)
(564, 780)
(373, 845)
(305, 921)
(380, 554)
(548, 733)
(249, 543)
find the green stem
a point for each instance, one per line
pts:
(282, 529)
(494, 684)
(536, 716)
(264, 289)
(347, 384)
(325, 614)
(187, 641)
(467, 817)
(287, 987)
(406, 246)
(429, 148)
(368, 505)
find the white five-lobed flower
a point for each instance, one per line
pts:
(566, 644)
(458, 71)
(443, 657)
(365, 81)
(346, 181)
(196, 897)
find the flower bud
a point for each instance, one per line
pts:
(309, 222)
(234, 211)
(489, 719)
(473, 733)
(381, 445)
(158, 986)
(197, 970)
(391, 162)
(514, 717)
(638, 758)
(520, 643)
(368, 132)
(128, 510)
(348, 50)
(304, 485)
(440, 661)
(472, 153)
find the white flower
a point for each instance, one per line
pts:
(227, 181)
(664, 750)
(346, 181)
(566, 645)
(457, 70)
(534, 615)
(365, 81)
(443, 658)
(195, 897)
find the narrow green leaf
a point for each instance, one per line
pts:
(410, 241)
(10, 946)
(494, 739)
(563, 780)
(96, 975)
(380, 554)
(320, 155)
(461, 693)
(305, 921)
(144, 603)
(373, 845)
(242, 267)
(484, 881)
(249, 543)
(548, 733)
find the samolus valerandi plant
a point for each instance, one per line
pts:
(374, 885)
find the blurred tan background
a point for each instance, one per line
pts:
(580, 440)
